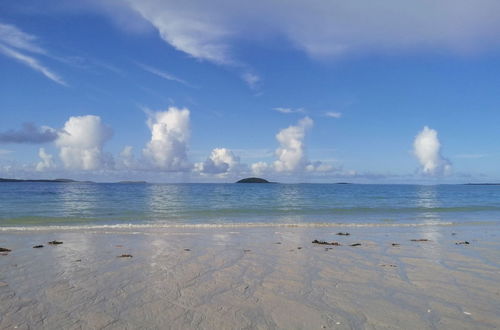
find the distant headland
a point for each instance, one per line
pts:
(482, 184)
(39, 180)
(253, 180)
(64, 181)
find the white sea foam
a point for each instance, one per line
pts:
(218, 225)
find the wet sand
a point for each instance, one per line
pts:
(252, 278)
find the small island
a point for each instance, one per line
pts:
(482, 184)
(253, 180)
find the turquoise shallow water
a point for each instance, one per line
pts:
(96, 204)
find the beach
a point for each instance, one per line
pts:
(220, 165)
(257, 277)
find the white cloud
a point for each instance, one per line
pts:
(46, 161)
(127, 157)
(170, 132)
(333, 114)
(221, 161)
(12, 44)
(289, 110)
(318, 166)
(81, 143)
(207, 30)
(13, 37)
(187, 29)
(251, 79)
(427, 149)
(260, 168)
(291, 153)
(162, 74)
(32, 63)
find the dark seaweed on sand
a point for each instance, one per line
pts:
(325, 243)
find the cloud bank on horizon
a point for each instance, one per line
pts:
(82, 138)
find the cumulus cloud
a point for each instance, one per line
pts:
(127, 157)
(208, 30)
(220, 161)
(170, 132)
(291, 153)
(318, 166)
(427, 149)
(14, 43)
(81, 143)
(46, 161)
(29, 133)
(260, 168)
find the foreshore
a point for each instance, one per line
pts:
(246, 278)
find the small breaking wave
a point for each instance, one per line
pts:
(143, 226)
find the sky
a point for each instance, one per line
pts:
(213, 91)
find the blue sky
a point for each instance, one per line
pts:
(318, 91)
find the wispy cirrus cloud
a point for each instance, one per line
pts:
(163, 74)
(14, 43)
(289, 110)
(251, 79)
(14, 37)
(333, 114)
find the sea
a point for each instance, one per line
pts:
(39, 205)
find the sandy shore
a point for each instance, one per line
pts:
(246, 278)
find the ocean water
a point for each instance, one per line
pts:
(38, 205)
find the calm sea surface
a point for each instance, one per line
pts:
(101, 204)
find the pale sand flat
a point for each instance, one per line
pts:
(240, 279)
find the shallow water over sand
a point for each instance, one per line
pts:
(88, 204)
